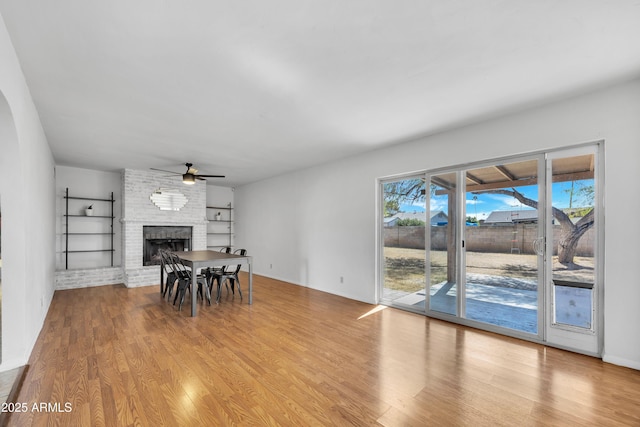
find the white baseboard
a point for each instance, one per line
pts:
(8, 365)
(621, 361)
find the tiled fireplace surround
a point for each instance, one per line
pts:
(138, 211)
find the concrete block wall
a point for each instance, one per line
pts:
(482, 239)
(409, 237)
(501, 239)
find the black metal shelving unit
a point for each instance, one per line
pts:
(69, 216)
(228, 221)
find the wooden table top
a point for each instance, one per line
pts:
(207, 255)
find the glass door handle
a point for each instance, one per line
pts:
(538, 246)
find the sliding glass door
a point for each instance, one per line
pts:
(512, 246)
(503, 263)
(403, 242)
(484, 258)
(574, 283)
(443, 243)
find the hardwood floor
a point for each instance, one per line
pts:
(121, 357)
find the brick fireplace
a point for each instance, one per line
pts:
(140, 216)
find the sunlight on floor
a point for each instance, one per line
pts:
(373, 311)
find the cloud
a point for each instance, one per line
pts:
(502, 202)
(438, 205)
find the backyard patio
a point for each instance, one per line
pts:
(501, 289)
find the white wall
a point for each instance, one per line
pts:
(314, 226)
(219, 197)
(95, 184)
(28, 213)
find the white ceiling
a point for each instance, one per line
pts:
(253, 89)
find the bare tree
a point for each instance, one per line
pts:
(571, 233)
(404, 191)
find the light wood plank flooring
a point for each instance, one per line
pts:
(7, 382)
(298, 357)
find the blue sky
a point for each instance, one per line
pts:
(485, 203)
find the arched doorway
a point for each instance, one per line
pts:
(8, 195)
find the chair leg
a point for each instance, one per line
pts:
(168, 285)
(183, 285)
(209, 295)
(172, 286)
(180, 298)
(207, 292)
(208, 282)
(178, 290)
(226, 280)
(218, 289)
(239, 290)
(168, 290)
(221, 280)
(181, 301)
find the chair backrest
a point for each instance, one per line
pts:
(165, 263)
(177, 266)
(226, 250)
(230, 269)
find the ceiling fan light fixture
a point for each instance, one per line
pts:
(191, 175)
(188, 179)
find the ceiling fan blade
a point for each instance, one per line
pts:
(199, 177)
(211, 176)
(162, 170)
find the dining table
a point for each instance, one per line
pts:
(207, 258)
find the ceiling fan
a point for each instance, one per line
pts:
(191, 175)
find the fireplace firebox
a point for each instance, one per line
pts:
(156, 238)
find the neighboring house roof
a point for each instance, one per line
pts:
(436, 216)
(526, 215)
(509, 217)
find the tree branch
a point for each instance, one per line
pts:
(562, 217)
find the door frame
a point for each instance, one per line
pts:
(560, 337)
(460, 247)
(540, 230)
(587, 341)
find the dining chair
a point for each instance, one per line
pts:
(230, 274)
(183, 275)
(226, 250)
(209, 271)
(171, 274)
(164, 271)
